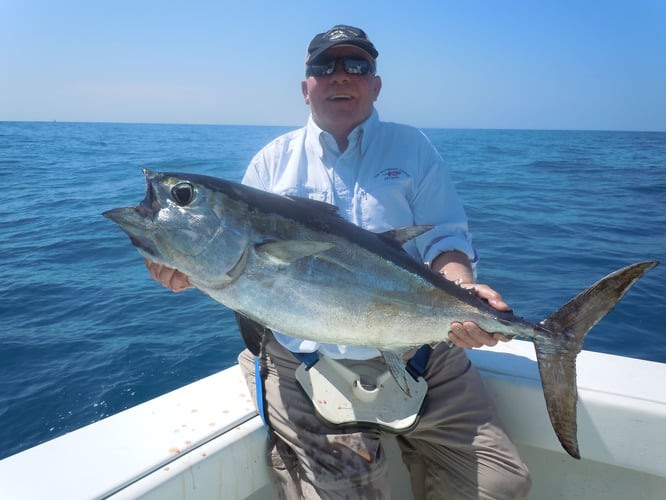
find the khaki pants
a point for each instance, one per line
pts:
(458, 450)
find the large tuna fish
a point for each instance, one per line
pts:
(295, 266)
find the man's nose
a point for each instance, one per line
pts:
(339, 72)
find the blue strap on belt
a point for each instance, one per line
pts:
(259, 385)
(416, 366)
(307, 358)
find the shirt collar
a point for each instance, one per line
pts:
(362, 133)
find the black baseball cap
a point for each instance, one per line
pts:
(340, 34)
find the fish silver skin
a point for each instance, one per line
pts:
(296, 266)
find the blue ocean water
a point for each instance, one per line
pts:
(85, 332)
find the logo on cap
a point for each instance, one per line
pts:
(339, 34)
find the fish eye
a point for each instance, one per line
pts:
(183, 193)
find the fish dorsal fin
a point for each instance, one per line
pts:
(402, 235)
(315, 205)
(287, 251)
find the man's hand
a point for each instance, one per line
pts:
(455, 266)
(468, 335)
(170, 278)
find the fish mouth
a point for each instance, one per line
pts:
(141, 215)
(135, 222)
(144, 245)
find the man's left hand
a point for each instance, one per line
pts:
(468, 335)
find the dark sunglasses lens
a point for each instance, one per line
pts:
(322, 69)
(356, 66)
(352, 66)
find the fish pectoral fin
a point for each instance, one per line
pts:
(288, 251)
(396, 366)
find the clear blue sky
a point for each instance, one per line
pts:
(553, 64)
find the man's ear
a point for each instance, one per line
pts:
(378, 86)
(304, 89)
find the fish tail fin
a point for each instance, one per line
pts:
(562, 340)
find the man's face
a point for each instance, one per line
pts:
(341, 101)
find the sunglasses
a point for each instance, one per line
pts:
(351, 65)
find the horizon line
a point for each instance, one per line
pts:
(194, 124)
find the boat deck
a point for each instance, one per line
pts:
(206, 441)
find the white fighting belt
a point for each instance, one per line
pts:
(358, 393)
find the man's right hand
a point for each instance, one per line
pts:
(170, 278)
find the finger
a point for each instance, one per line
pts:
(489, 294)
(468, 335)
(500, 337)
(174, 279)
(480, 337)
(459, 337)
(153, 268)
(168, 277)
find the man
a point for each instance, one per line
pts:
(381, 176)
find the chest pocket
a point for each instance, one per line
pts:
(385, 201)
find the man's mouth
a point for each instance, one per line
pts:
(340, 97)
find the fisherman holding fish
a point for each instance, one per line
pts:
(381, 176)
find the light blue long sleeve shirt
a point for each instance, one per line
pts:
(389, 176)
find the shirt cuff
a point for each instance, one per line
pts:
(451, 243)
